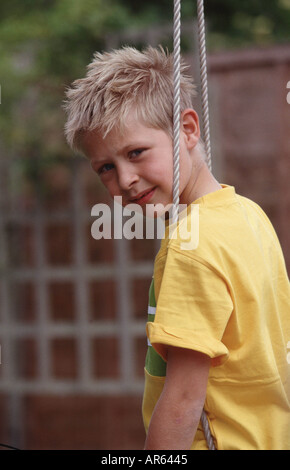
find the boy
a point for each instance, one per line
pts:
(218, 326)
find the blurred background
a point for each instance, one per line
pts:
(73, 309)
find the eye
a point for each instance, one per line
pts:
(136, 153)
(105, 168)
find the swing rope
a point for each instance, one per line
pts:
(176, 94)
(176, 105)
(203, 78)
(176, 125)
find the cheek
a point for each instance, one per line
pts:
(161, 172)
(112, 188)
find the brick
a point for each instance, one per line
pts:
(64, 358)
(62, 301)
(103, 300)
(106, 358)
(59, 244)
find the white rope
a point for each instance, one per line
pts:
(207, 432)
(203, 77)
(176, 126)
(176, 106)
(206, 134)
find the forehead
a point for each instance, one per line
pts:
(132, 134)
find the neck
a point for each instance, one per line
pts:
(203, 183)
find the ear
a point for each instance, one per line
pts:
(189, 126)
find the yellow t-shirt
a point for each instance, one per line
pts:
(227, 297)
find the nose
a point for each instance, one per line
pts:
(127, 176)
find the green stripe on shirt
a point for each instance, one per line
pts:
(154, 364)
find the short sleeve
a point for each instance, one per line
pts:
(193, 308)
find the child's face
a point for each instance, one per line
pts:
(138, 164)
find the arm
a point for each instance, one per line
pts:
(177, 413)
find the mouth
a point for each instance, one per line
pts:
(144, 197)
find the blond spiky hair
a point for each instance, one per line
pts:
(120, 83)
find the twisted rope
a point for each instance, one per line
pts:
(206, 134)
(206, 430)
(176, 125)
(176, 105)
(203, 77)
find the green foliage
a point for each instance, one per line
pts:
(231, 23)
